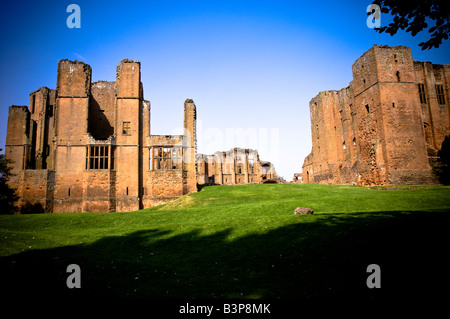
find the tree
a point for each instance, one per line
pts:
(414, 15)
(443, 169)
(7, 194)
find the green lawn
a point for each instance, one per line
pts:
(238, 242)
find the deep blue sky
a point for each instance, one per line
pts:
(250, 66)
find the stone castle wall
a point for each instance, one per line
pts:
(236, 166)
(380, 130)
(87, 147)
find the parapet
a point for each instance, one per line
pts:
(23, 108)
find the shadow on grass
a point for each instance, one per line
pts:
(325, 258)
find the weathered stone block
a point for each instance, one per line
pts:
(303, 211)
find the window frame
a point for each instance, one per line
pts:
(422, 93)
(440, 94)
(165, 157)
(99, 157)
(126, 128)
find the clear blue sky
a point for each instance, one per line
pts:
(250, 66)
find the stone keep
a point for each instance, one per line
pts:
(385, 127)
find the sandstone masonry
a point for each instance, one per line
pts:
(236, 166)
(87, 147)
(385, 127)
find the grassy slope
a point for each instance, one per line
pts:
(238, 241)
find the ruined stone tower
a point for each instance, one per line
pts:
(190, 147)
(385, 126)
(87, 147)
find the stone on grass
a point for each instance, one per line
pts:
(303, 211)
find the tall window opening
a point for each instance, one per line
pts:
(250, 159)
(440, 94)
(239, 163)
(422, 94)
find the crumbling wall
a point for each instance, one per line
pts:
(297, 178)
(308, 169)
(17, 136)
(73, 90)
(102, 109)
(129, 129)
(375, 131)
(369, 120)
(235, 166)
(41, 129)
(205, 165)
(189, 147)
(88, 147)
(163, 183)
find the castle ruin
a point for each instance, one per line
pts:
(236, 166)
(87, 147)
(385, 127)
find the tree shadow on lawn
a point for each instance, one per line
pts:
(321, 258)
